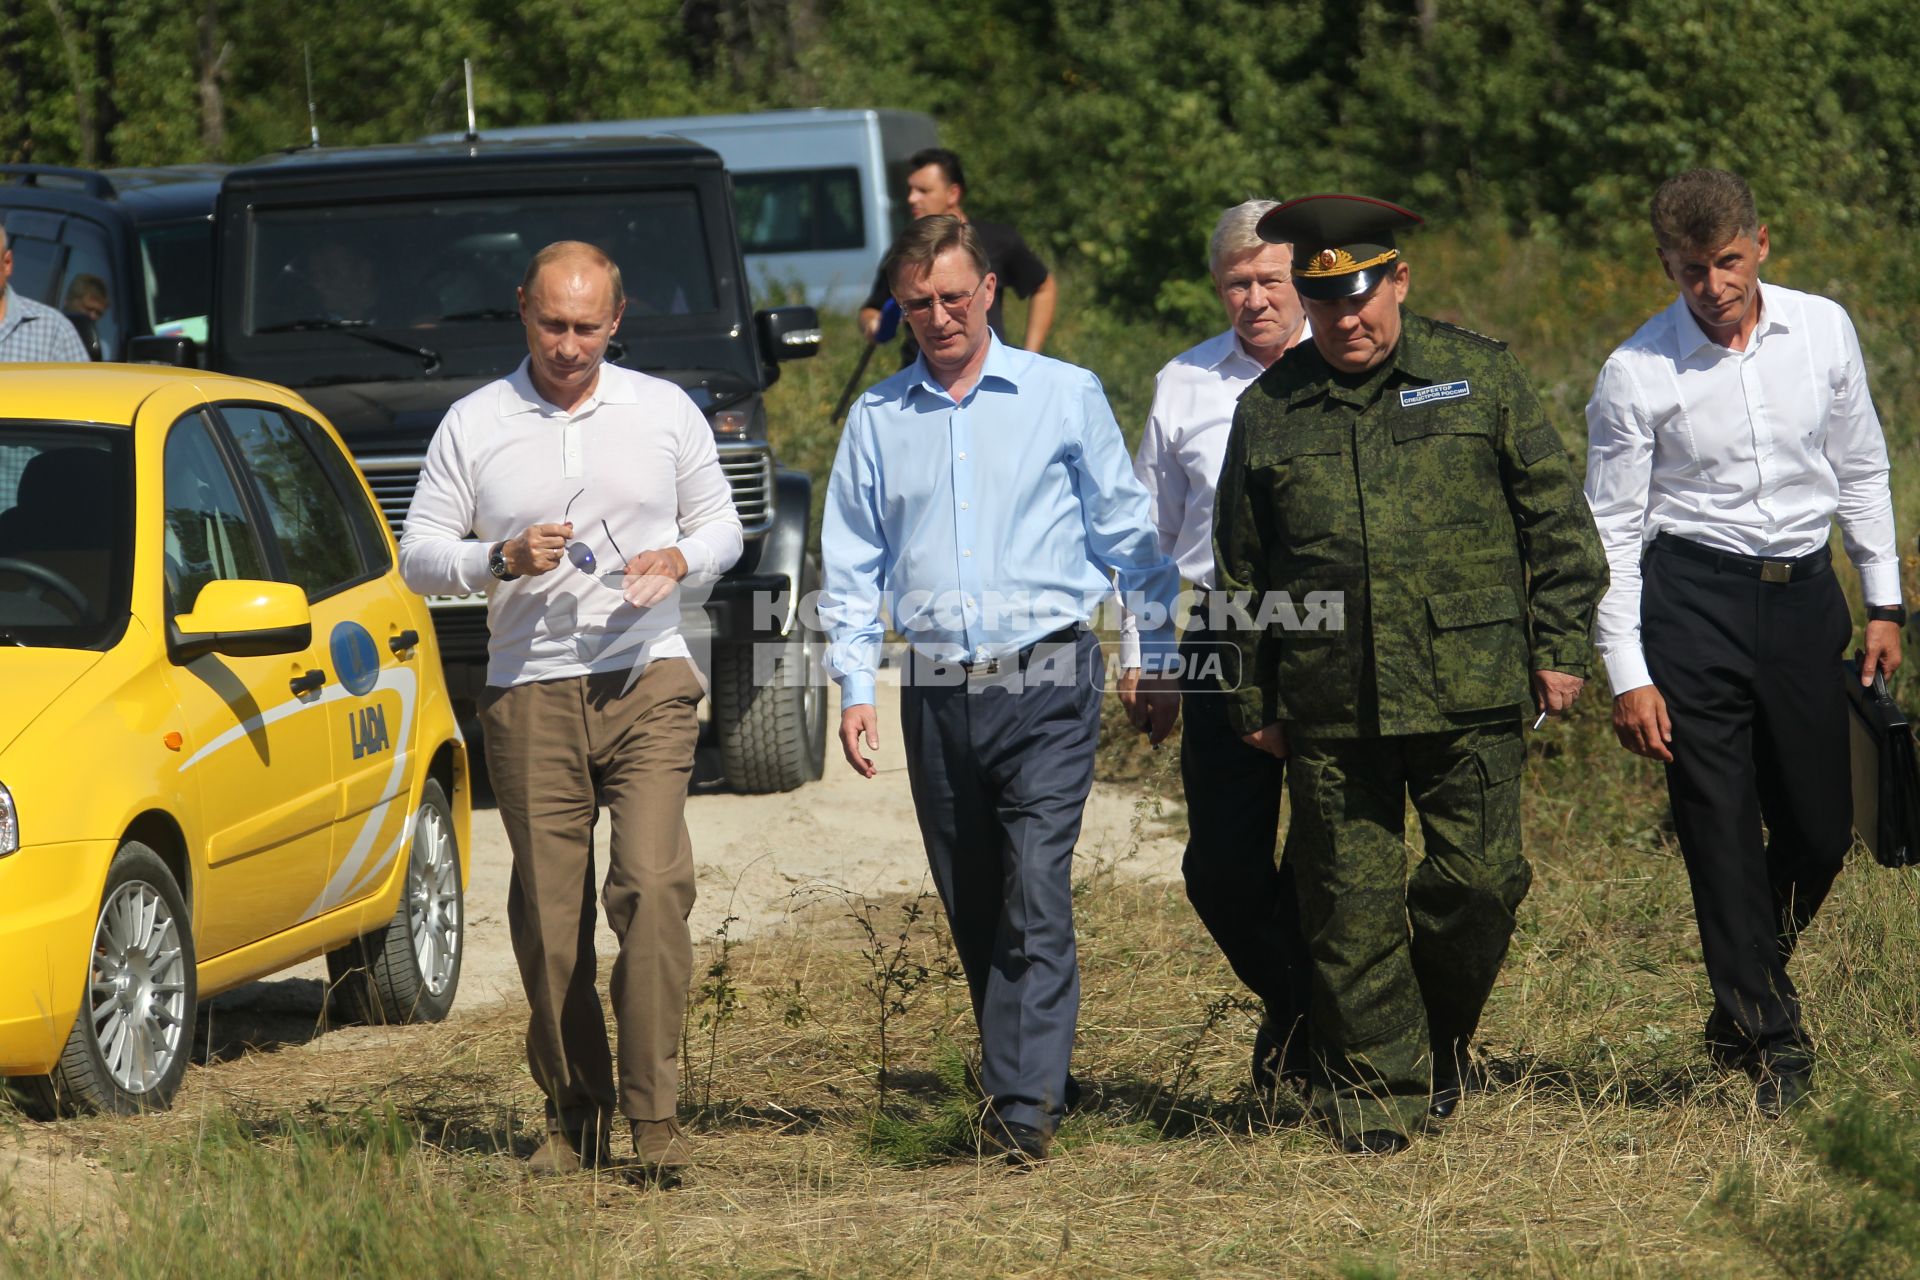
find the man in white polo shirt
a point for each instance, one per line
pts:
(1241, 894)
(1723, 438)
(593, 492)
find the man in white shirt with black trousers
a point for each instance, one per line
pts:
(1237, 887)
(594, 492)
(1723, 439)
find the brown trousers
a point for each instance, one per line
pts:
(556, 750)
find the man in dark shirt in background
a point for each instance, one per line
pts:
(935, 185)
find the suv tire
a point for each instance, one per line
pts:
(409, 969)
(773, 734)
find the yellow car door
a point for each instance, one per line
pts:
(257, 738)
(335, 549)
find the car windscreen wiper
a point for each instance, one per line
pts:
(480, 313)
(428, 357)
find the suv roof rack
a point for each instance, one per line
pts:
(35, 175)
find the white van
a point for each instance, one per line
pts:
(819, 194)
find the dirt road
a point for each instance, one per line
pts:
(761, 858)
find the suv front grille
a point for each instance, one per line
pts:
(748, 467)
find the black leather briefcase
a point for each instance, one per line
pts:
(1886, 774)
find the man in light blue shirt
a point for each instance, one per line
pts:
(981, 498)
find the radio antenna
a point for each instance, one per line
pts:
(313, 116)
(473, 134)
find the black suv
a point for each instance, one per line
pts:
(138, 240)
(379, 283)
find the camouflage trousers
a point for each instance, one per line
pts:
(1402, 963)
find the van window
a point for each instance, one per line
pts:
(795, 210)
(84, 286)
(177, 262)
(37, 264)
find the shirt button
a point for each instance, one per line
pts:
(963, 457)
(963, 506)
(966, 554)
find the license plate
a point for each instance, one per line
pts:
(472, 600)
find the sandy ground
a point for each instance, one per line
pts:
(766, 859)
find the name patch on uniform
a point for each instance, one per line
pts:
(1414, 397)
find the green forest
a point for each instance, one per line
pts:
(1113, 132)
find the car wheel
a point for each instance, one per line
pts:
(409, 970)
(130, 1044)
(772, 731)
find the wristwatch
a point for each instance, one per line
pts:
(1894, 613)
(497, 563)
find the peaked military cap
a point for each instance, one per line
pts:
(1342, 245)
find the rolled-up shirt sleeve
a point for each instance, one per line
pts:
(1619, 477)
(437, 557)
(1856, 448)
(710, 532)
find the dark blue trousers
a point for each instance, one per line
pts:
(1000, 768)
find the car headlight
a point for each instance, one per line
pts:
(9, 823)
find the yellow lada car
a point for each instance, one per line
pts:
(225, 742)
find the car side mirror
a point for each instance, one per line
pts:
(171, 348)
(788, 333)
(242, 618)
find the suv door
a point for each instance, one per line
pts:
(256, 750)
(332, 548)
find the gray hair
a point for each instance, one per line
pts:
(1234, 234)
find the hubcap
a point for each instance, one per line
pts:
(137, 995)
(433, 899)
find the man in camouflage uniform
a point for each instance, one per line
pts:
(1404, 468)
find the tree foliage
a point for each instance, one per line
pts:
(1112, 131)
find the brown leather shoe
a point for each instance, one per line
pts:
(659, 1144)
(570, 1150)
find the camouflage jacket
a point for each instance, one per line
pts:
(1426, 528)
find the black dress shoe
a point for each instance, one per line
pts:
(1778, 1091)
(1070, 1098)
(1021, 1144)
(1454, 1077)
(1375, 1142)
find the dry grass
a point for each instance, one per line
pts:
(1603, 1153)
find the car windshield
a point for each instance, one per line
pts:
(177, 259)
(416, 264)
(66, 534)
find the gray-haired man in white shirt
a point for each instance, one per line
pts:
(1241, 894)
(594, 491)
(1723, 439)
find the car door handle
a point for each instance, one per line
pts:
(308, 683)
(404, 641)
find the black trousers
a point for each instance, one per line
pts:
(1238, 887)
(1752, 677)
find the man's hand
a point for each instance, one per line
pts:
(1640, 722)
(1271, 739)
(539, 550)
(1160, 706)
(855, 723)
(1555, 692)
(652, 575)
(1883, 651)
(1128, 687)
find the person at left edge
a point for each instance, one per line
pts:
(980, 499)
(31, 332)
(591, 690)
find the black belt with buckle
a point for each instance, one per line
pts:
(1794, 569)
(992, 666)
